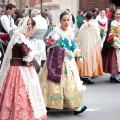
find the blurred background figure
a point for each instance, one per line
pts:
(108, 14)
(103, 24)
(97, 11)
(89, 36)
(94, 13)
(17, 16)
(73, 18)
(80, 18)
(6, 28)
(37, 39)
(26, 11)
(49, 16)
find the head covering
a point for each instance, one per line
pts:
(58, 18)
(35, 11)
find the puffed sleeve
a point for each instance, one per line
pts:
(112, 30)
(26, 53)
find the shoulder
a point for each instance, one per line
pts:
(4, 17)
(114, 23)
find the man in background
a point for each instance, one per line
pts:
(26, 11)
(49, 16)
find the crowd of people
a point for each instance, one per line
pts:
(29, 42)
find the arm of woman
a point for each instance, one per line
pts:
(27, 54)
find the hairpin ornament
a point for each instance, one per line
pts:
(29, 22)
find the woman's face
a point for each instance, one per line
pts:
(65, 22)
(102, 14)
(32, 31)
(117, 15)
(81, 13)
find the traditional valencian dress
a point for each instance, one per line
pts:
(60, 81)
(89, 39)
(111, 56)
(20, 93)
(102, 22)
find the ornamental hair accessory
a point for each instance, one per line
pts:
(29, 22)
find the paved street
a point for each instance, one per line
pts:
(102, 100)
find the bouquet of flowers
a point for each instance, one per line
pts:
(113, 41)
(4, 36)
(52, 39)
(102, 32)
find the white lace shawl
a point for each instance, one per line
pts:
(65, 34)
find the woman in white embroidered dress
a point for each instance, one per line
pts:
(20, 92)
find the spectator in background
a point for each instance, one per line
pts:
(108, 14)
(73, 18)
(37, 39)
(6, 26)
(94, 13)
(49, 16)
(26, 11)
(7, 22)
(17, 16)
(97, 11)
(43, 14)
(80, 18)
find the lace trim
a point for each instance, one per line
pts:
(34, 91)
(22, 39)
(29, 57)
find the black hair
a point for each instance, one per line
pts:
(64, 13)
(88, 15)
(10, 6)
(18, 14)
(33, 23)
(68, 10)
(46, 10)
(43, 14)
(93, 10)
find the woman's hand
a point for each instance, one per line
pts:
(38, 54)
(66, 53)
(102, 28)
(81, 61)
